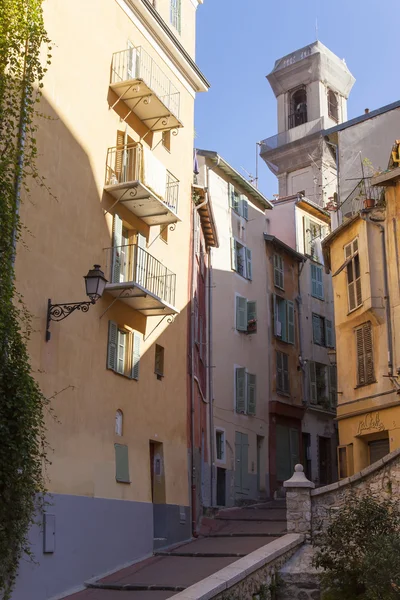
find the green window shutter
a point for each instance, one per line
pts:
(249, 267)
(320, 284)
(283, 454)
(332, 374)
(314, 282)
(233, 254)
(244, 207)
(112, 346)
(316, 324)
(285, 372)
(290, 321)
(329, 333)
(135, 355)
(251, 394)
(240, 391)
(360, 357)
(121, 351)
(116, 251)
(279, 372)
(241, 313)
(121, 463)
(313, 382)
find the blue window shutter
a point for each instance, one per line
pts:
(249, 266)
(329, 333)
(233, 254)
(135, 355)
(112, 346)
(121, 463)
(290, 322)
(116, 256)
(279, 372)
(316, 324)
(320, 284)
(241, 313)
(314, 282)
(244, 207)
(240, 390)
(251, 394)
(285, 368)
(313, 382)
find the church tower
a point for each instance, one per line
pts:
(311, 86)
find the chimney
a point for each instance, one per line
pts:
(366, 110)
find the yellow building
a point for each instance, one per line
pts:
(117, 155)
(362, 255)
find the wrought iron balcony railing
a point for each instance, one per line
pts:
(141, 280)
(297, 118)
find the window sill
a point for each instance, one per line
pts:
(318, 298)
(284, 341)
(281, 393)
(242, 276)
(160, 376)
(279, 287)
(123, 481)
(362, 385)
(122, 375)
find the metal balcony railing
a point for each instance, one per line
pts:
(136, 63)
(364, 195)
(131, 264)
(128, 164)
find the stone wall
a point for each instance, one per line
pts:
(380, 480)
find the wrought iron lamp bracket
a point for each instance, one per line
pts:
(59, 312)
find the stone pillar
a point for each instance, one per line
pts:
(298, 503)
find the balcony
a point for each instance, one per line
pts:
(137, 179)
(140, 280)
(141, 84)
(363, 196)
(292, 135)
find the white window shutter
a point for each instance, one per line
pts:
(290, 321)
(231, 194)
(313, 382)
(251, 394)
(116, 251)
(233, 254)
(121, 351)
(135, 355)
(249, 267)
(241, 313)
(368, 352)
(112, 346)
(240, 391)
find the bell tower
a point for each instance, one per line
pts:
(311, 86)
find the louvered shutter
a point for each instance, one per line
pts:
(347, 251)
(368, 351)
(290, 321)
(121, 351)
(251, 394)
(316, 323)
(244, 207)
(358, 291)
(116, 250)
(332, 386)
(329, 333)
(121, 463)
(249, 266)
(279, 372)
(320, 284)
(278, 271)
(360, 356)
(112, 346)
(313, 382)
(135, 355)
(119, 155)
(241, 313)
(240, 391)
(314, 282)
(196, 320)
(352, 296)
(233, 254)
(285, 370)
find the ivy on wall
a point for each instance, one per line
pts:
(22, 404)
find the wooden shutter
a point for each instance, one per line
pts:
(121, 463)
(119, 154)
(283, 453)
(358, 291)
(313, 382)
(316, 324)
(368, 351)
(279, 372)
(290, 321)
(241, 313)
(240, 391)
(285, 372)
(329, 333)
(314, 283)
(348, 251)
(249, 267)
(278, 271)
(112, 346)
(244, 207)
(135, 355)
(251, 394)
(352, 296)
(233, 254)
(361, 380)
(116, 251)
(332, 374)
(121, 351)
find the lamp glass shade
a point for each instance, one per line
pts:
(332, 357)
(95, 283)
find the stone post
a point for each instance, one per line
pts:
(298, 503)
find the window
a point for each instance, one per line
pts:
(365, 360)
(317, 285)
(246, 315)
(241, 259)
(333, 105)
(323, 386)
(119, 417)
(245, 392)
(175, 14)
(278, 271)
(282, 372)
(322, 331)
(121, 463)
(313, 234)
(164, 233)
(353, 275)
(166, 140)
(159, 362)
(283, 319)
(238, 202)
(220, 444)
(123, 352)
(298, 108)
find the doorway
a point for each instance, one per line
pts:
(324, 460)
(306, 455)
(221, 487)
(241, 463)
(260, 444)
(157, 475)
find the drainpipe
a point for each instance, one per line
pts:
(386, 291)
(299, 303)
(210, 377)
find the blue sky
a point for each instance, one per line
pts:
(238, 42)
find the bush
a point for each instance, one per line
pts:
(360, 552)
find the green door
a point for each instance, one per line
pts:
(287, 451)
(242, 462)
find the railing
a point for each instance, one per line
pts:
(297, 118)
(364, 195)
(136, 63)
(293, 134)
(128, 163)
(133, 264)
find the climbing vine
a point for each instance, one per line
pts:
(22, 404)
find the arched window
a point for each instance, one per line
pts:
(333, 105)
(298, 107)
(119, 417)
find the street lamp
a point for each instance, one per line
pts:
(332, 357)
(95, 282)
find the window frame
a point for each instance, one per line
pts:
(246, 259)
(288, 326)
(132, 356)
(222, 458)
